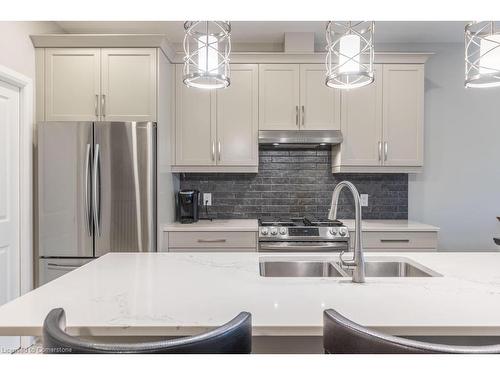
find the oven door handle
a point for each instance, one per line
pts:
(305, 247)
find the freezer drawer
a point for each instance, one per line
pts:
(51, 269)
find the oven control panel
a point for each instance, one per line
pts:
(277, 233)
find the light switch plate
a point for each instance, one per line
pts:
(207, 199)
(364, 200)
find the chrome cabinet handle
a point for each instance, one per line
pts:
(62, 266)
(103, 105)
(213, 150)
(385, 151)
(395, 240)
(97, 191)
(88, 217)
(218, 150)
(96, 105)
(303, 116)
(379, 151)
(297, 115)
(211, 241)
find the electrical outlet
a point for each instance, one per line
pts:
(207, 199)
(364, 200)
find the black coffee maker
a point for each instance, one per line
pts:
(187, 206)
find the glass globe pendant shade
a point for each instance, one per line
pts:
(207, 45)
(350, 54)
(482, 54)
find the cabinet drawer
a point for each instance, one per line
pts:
(212, 239)
(401, 240)
(398, 240)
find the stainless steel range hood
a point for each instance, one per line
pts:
(300, 138)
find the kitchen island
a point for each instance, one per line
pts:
(174, 294)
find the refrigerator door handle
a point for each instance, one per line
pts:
(88, 216)
(97, 190)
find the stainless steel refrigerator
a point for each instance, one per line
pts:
(96, 192)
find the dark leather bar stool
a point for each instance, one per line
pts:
(343, 336)
(234, 337)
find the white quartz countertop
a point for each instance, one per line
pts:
(392, 226)
(251, 225)
(233, 225)
(183, 294)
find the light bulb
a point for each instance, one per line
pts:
(490, 54)
(208, 60)
(349, 53)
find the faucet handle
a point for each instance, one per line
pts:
(347, 263)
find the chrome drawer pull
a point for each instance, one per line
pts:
(396, 240)
(212, 241)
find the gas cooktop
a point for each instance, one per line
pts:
(306, 221)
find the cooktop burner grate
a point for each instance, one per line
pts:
(298, 222)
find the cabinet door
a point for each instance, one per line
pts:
(194, 125)
(278, 96)
(319, 104)
(237, 118)
(362, 124)
(128, 84)
(403, 114)
(72, 77)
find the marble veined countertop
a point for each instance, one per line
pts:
(183, 294)
(231, 225)
(392, 226)
(251, 225)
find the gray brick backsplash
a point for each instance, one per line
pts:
(296, 183)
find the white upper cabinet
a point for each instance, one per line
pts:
(195, 124)
(403, 114)
(362, 124)
(319, 104)
(90, 84)
(382, 123)
(72, 84)
(128, 84)
(294, 96)
(279, 97)
(237, 118)
(217, 130)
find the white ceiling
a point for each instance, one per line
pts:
(273, 31)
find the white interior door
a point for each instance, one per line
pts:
(9, 202)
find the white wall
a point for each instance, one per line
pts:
(16, 50)
(459, 190)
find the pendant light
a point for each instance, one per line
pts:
(207, 45)
(482, 54)
(350, 53)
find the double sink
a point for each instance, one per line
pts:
(374, 267)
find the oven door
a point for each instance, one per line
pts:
(299, 246)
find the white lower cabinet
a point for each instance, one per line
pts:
(210, 241)
(398, 241)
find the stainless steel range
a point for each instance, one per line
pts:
(302, 234)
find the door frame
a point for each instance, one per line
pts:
(25, 85)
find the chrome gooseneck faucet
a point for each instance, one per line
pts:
(357, 263)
